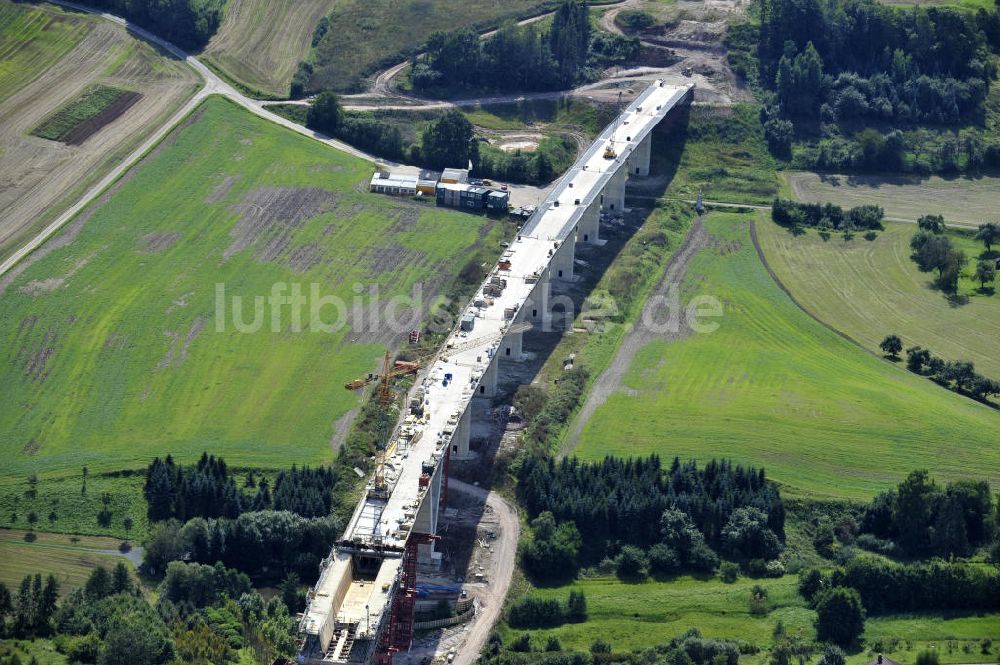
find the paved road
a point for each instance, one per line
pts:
(500, 577)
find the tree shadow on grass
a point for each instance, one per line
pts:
(956, 299)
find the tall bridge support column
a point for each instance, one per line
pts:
(511, 348)
(589, 227)
(488, 384)
(534, 308)
(462, 436)
(561, 266)
(614, 191)
(639, 162)
(426, 519)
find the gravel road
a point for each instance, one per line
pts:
(491, 599)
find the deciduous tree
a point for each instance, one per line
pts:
(988, 234)
(891, 346)
(840, 616)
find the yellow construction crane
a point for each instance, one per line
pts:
(389, 372)
(392, 370)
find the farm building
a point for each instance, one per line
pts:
(455, 176)
(395, 184)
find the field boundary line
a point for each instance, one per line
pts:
(781, 285)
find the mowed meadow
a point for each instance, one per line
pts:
(261, 42)
(110, 346)
(639, 615)
(33, 40)
(869, 289)
(773, 387)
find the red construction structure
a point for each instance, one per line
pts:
(398, 635)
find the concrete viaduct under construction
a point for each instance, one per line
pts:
(361, 609)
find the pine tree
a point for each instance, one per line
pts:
(24, 609)
(120, 580)
(48, 599)
(6, 603)
(159, 491)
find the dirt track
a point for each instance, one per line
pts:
(492, 598)
(39, 176)
(610, 380)
(694, 41)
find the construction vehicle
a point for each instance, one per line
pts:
(393, 370)
(609, 150)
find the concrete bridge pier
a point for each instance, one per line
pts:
(561, 267)
(534, 309)
(639, 159)
(488, 384)
(512, 347)
(589, 227)
(614, 192)
(460, 441)
(426, 519)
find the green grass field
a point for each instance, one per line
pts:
(75, 511)
(93, 102)
(870, 289)
(31, 41)
(635, 616)
(971, 5)
(723, 156)
(37, 650)
(772, 387)
(112, 350)
(567, 114)
(70, 561)
(367, 34)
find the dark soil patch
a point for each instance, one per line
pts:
(33, 358)
(88, 128)
(221, 191)
(304, 257)
(177, 354)
(269, 217)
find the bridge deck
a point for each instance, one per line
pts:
(388, 521)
